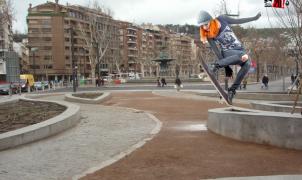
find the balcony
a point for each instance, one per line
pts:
(132, 48)
(131, 62)
(132, 55)
(132, 29)
(131, 42)
(132, 35)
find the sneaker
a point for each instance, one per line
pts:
(231, 94)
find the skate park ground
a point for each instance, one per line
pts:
(183, 149)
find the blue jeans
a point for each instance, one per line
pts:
(233, 57)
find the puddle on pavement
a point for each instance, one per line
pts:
(192, 127)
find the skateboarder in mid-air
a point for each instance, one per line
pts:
(231, 52)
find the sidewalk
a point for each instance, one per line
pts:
(104, 135)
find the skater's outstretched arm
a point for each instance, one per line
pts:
(241, 20)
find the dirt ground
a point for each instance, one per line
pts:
(24, 113)
(88, 95)
(179, 152)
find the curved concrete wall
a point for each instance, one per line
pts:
(104, 97)
(274, 128)
(55, 125)
(276, 106)
(256, 96)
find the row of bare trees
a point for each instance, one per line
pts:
(290, 19)
(6, 11)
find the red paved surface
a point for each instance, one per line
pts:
(178, 153)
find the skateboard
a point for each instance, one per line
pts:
(215, 83)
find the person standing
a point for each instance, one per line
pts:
(163, 82)
(232, 52)
(292, 78)
(265, 81)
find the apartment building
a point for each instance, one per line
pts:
(66, 38)
(130, 44)
(21, 48)
(183, 50)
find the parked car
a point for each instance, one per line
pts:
(4, 89)
(39, 85)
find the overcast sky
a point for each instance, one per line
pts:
(157, 11)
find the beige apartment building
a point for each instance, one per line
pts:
(51, 27)
(141, 45)
(127, 48)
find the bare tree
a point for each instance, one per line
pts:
(98, 34)
(6, 11)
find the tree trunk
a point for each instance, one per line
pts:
(93, 74)
(142, 70)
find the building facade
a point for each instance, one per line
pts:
(63, 39)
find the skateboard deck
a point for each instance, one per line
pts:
(215, 83)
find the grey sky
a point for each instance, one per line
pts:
(156, 11)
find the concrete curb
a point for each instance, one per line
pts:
(104, 97)
(255, 96)
(277, 177)
(69, 118)
(276, 106)
(262, 127)
(123, 154)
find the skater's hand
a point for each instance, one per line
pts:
(244, 58)
(258, 15)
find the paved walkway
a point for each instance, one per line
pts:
(104, 135)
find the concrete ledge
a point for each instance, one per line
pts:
(55, 125)
(104, 97)
(256, 96)
(273, 128)
(276, 106)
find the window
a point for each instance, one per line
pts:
(46, 39)
(47, 58)
(47, 48)
(33, 30)
(48, 66)
(45, 21)
(46, 30)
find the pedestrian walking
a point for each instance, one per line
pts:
(265, 81)
(178, 84)
(158, 82)
(163, 82)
